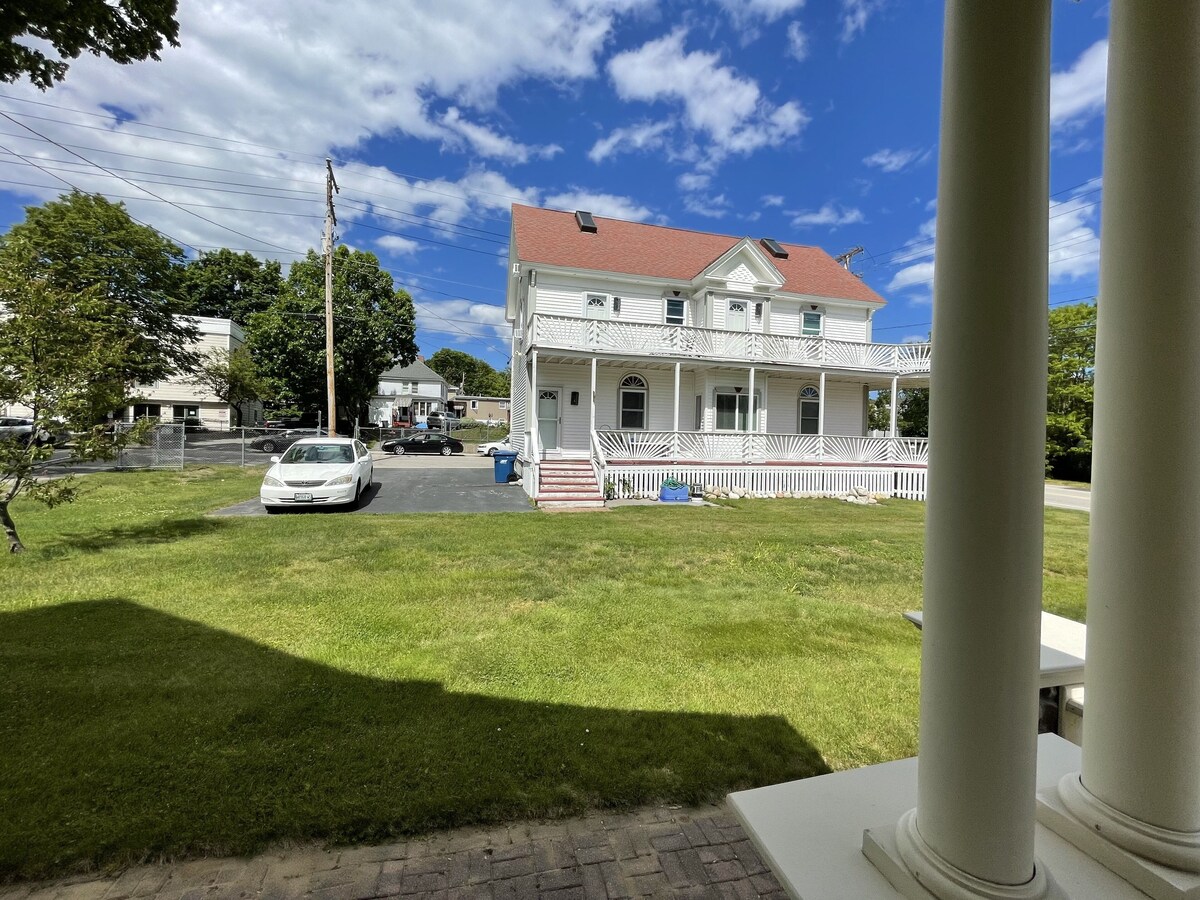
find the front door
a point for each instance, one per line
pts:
(547, 414)
(735, 323)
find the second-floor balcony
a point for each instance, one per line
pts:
(649, 339)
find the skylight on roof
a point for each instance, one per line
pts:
(585, 221)
(773, 247)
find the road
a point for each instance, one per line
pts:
(1068, 498)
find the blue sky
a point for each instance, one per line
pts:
(813, 121)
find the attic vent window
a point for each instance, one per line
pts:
(585, 221)
(773, 247)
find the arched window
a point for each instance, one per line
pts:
(809, 413)
(633, 402)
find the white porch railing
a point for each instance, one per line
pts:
(753, 448)
(644, 339)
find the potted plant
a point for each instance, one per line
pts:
(673, 491)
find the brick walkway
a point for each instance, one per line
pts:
(660, 852)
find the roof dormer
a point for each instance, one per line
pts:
(745, 268)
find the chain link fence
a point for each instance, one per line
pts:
(173, 445)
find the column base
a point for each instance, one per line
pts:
(1162, 863)
(914, 869)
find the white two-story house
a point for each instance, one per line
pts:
(642, 352)
(408, 393)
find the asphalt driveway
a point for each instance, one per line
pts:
(424, 489)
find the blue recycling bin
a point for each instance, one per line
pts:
(503, 462)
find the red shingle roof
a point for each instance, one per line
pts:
(553, 238)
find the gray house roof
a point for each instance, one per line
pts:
(414, 371)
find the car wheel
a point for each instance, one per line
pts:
(398, 450)
(268, 447)
(358, 495)
(446, 451)
(492, 452)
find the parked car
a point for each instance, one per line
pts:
(489, 449)
(318, 471)
(443, 420)
(22, 428)
(431, 442)
(281, 440)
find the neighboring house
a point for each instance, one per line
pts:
(644, 352)
(182, 400)
(409, 392)
(479, 408)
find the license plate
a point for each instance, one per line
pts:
(302, 498)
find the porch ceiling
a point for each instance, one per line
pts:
(873, 381)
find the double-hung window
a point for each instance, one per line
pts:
(809, 413)
(633, 402)
(810, 324)
(676, 311)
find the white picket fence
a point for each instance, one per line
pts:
(907, 483)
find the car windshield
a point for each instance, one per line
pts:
(333, 454)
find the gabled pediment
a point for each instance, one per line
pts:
(744, 268)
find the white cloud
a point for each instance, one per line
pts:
(719, 104)
(896, 160)
(643, 136)
(600, 204)
(772, 200)
(464, 320)
(400, 246)
(914, 339)
(1074, 253)
(273, 73)
(1077, 94)
(765, 10)
(711, 207)
(693, 181)
(830, 215)
(855, 15)
(797, 41)
(488, 143)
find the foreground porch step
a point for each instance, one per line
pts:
(557, 503)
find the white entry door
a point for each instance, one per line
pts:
(736, 317)
(548, 419)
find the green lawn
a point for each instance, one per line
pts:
(176, 684)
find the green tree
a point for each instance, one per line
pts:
(473, 375)
(230, 285)
(1070, 386)
(233, 378)
(85, 245)
(912, 413)
(373, 330)
(123, 31)
(65, 355)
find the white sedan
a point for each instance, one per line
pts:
(490, 449)
(318, 471)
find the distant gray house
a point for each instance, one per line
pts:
(408, 392)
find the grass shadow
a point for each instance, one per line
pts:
(147, 533)
(131, 734)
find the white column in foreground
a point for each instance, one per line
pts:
(973, 828)
(1141, 749)
(895, 404)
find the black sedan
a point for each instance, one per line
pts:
(432, 442)
(281, 440)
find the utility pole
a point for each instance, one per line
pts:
(330, 221)
(844, 259)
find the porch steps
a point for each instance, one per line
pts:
(568, 484)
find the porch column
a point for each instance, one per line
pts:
(1142, 728)
(533, 420)
(895, 403)
(974, 821)
(675, 419)
(821, 417)
(752, 423)
(592, 408)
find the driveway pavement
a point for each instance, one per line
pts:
(1061, 497)
(658, 852)
(428, 486)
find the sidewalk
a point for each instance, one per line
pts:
(656, 852)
